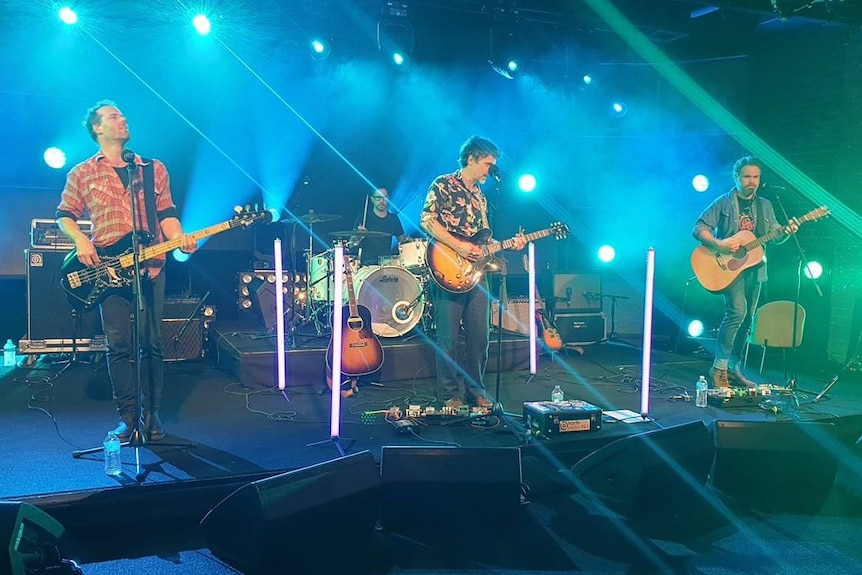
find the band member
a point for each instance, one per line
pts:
(454, 205)
(377, 219)
(99, 187)
(739, 209)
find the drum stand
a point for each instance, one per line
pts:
(316, 308)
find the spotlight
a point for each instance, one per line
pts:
(607, 253)
(700, 183)
(695, 328)
(527, 183)
(245, 303)
(619, 109)
(180, 256)
(54, 157)
(587, 80)
(509, 68)
(68, 16)
(319, 49)
(202, 24)
(395, 32)
(246, 277)
(813, 270)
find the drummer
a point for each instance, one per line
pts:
(377, 219)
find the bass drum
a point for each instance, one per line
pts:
(394, 297)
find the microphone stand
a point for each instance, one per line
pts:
(792, 381)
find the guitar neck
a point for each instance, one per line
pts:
(774, 234)
(155, 251)
(495, 246)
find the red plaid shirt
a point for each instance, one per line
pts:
(94, 187)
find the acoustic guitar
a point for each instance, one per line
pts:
(547, 328)
(715, 270)
(86, 287)
(457, 274)
(361, 352)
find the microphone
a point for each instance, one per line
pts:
(568, 294)
(494, 172)
(128, 156)
(765, 186)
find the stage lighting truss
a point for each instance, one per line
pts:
(395, 31)
(503, 48)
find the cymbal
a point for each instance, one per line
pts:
(359, 234)
(313, 217)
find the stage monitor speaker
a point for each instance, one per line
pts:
(577, 292)
(775, 464)
(449, 485)
(31, 537)
(316, 519)
(49, 315)
(659, 472)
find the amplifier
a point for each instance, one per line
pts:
(578, 292)
(516, 315)
(183, 328)
(51, 327)
(45, 234)
(545, 418)
(582, 328)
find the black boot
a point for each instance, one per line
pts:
(154, 430)
(124, 429)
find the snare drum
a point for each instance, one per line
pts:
(390, 261)
(321, 276)
(413, 254)
(393, 296)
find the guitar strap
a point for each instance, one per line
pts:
(150, 197)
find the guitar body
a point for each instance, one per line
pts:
(84, 295)
(550, 335)
(452, 272)
(361, 352)
(457, 274)
(716, 271)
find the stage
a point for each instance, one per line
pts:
(238, 433)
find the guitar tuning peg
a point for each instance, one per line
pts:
(237, 209)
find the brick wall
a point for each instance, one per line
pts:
(806, 102)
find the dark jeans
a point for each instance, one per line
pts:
(117, 322)
(740, 303)
(473, 309)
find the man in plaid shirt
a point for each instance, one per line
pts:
(99, 186)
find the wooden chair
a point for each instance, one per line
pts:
(772, 326)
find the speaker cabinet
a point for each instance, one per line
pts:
(50, 324)
(448, 485)
(655, 472)
(316, 519)
(776, 464)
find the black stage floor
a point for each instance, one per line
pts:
(237, 433)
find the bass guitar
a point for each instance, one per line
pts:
(86, 286)
(455, 273)
(361, 352)
(715, 270)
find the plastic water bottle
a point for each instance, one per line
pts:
(113, 465)
(701, 387)
(9, 354)
(557, 395)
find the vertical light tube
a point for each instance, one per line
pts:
(647, 343)
(337, 320)
(531, 278)
(279, 314)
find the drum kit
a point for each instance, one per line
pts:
(394, 291)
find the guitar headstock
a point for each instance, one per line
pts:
(249, 215)
(560, 230)
(817, 213)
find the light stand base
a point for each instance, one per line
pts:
(336, 441)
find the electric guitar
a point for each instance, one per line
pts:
(457, 274)
(361, 352)
(86, 286)
(547, 327)
(715, 271)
